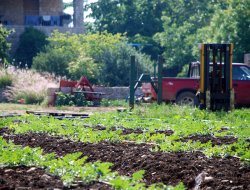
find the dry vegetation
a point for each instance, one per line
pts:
(27, 86)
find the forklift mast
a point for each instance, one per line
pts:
(216, 90)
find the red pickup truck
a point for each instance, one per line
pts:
(183, 90)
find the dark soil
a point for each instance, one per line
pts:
(24, 178)
(194, 169)
(126, 131)
(214, 140)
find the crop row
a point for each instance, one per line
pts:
(184, 122)
(72, 167)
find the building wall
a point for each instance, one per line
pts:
(31, 7)
(11, 11)
(49, 7)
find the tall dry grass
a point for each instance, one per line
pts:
(28, 86)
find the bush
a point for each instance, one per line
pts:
(28, 86)
(5, 80)
(31, 42)
(116, 65)
(71, 100)
(29, 97)
(4, 45)
(53, 61)
(103, 58)
(83, 66)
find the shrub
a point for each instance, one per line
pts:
(103, 58)
(71, 100)
(30, 97)
(29, 86)
(83, 66)
(116, 64)
(31, 42)
(4, 45)
(5, 79)
(53, 61)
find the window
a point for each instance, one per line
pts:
(241, 73)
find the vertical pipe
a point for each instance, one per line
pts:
(132, 83)
(160, 65)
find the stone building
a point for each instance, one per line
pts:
(39, 13)
(45, 15)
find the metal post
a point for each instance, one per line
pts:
(160, 65)
(132, 83)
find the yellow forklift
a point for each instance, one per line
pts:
(216, 92)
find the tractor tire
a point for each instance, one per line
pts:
(187, 98)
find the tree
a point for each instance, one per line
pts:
(138, 19)
(4, 45)
(104, 58)
(230, 24)
(32, 41)
(116, 67)
(188, 23)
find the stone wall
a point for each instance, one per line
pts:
(49, 7)
(114, 93)
(11, 11)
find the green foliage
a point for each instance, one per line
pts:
(184, 121)
(104, 58)
(5, 80)
(117, 64)
(29, 97)
(181, 20)
(32, 41)
(139, 19)
(184, 71)
(70, 168)
(188, 23)
(71, 100)
(175, 28)
(53, 60)
(4, 45)
(83, 66)
(116, 103)
(131, 17)
(229, 24)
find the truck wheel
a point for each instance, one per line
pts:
(187, 98)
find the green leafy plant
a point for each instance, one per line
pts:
(71, 100)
